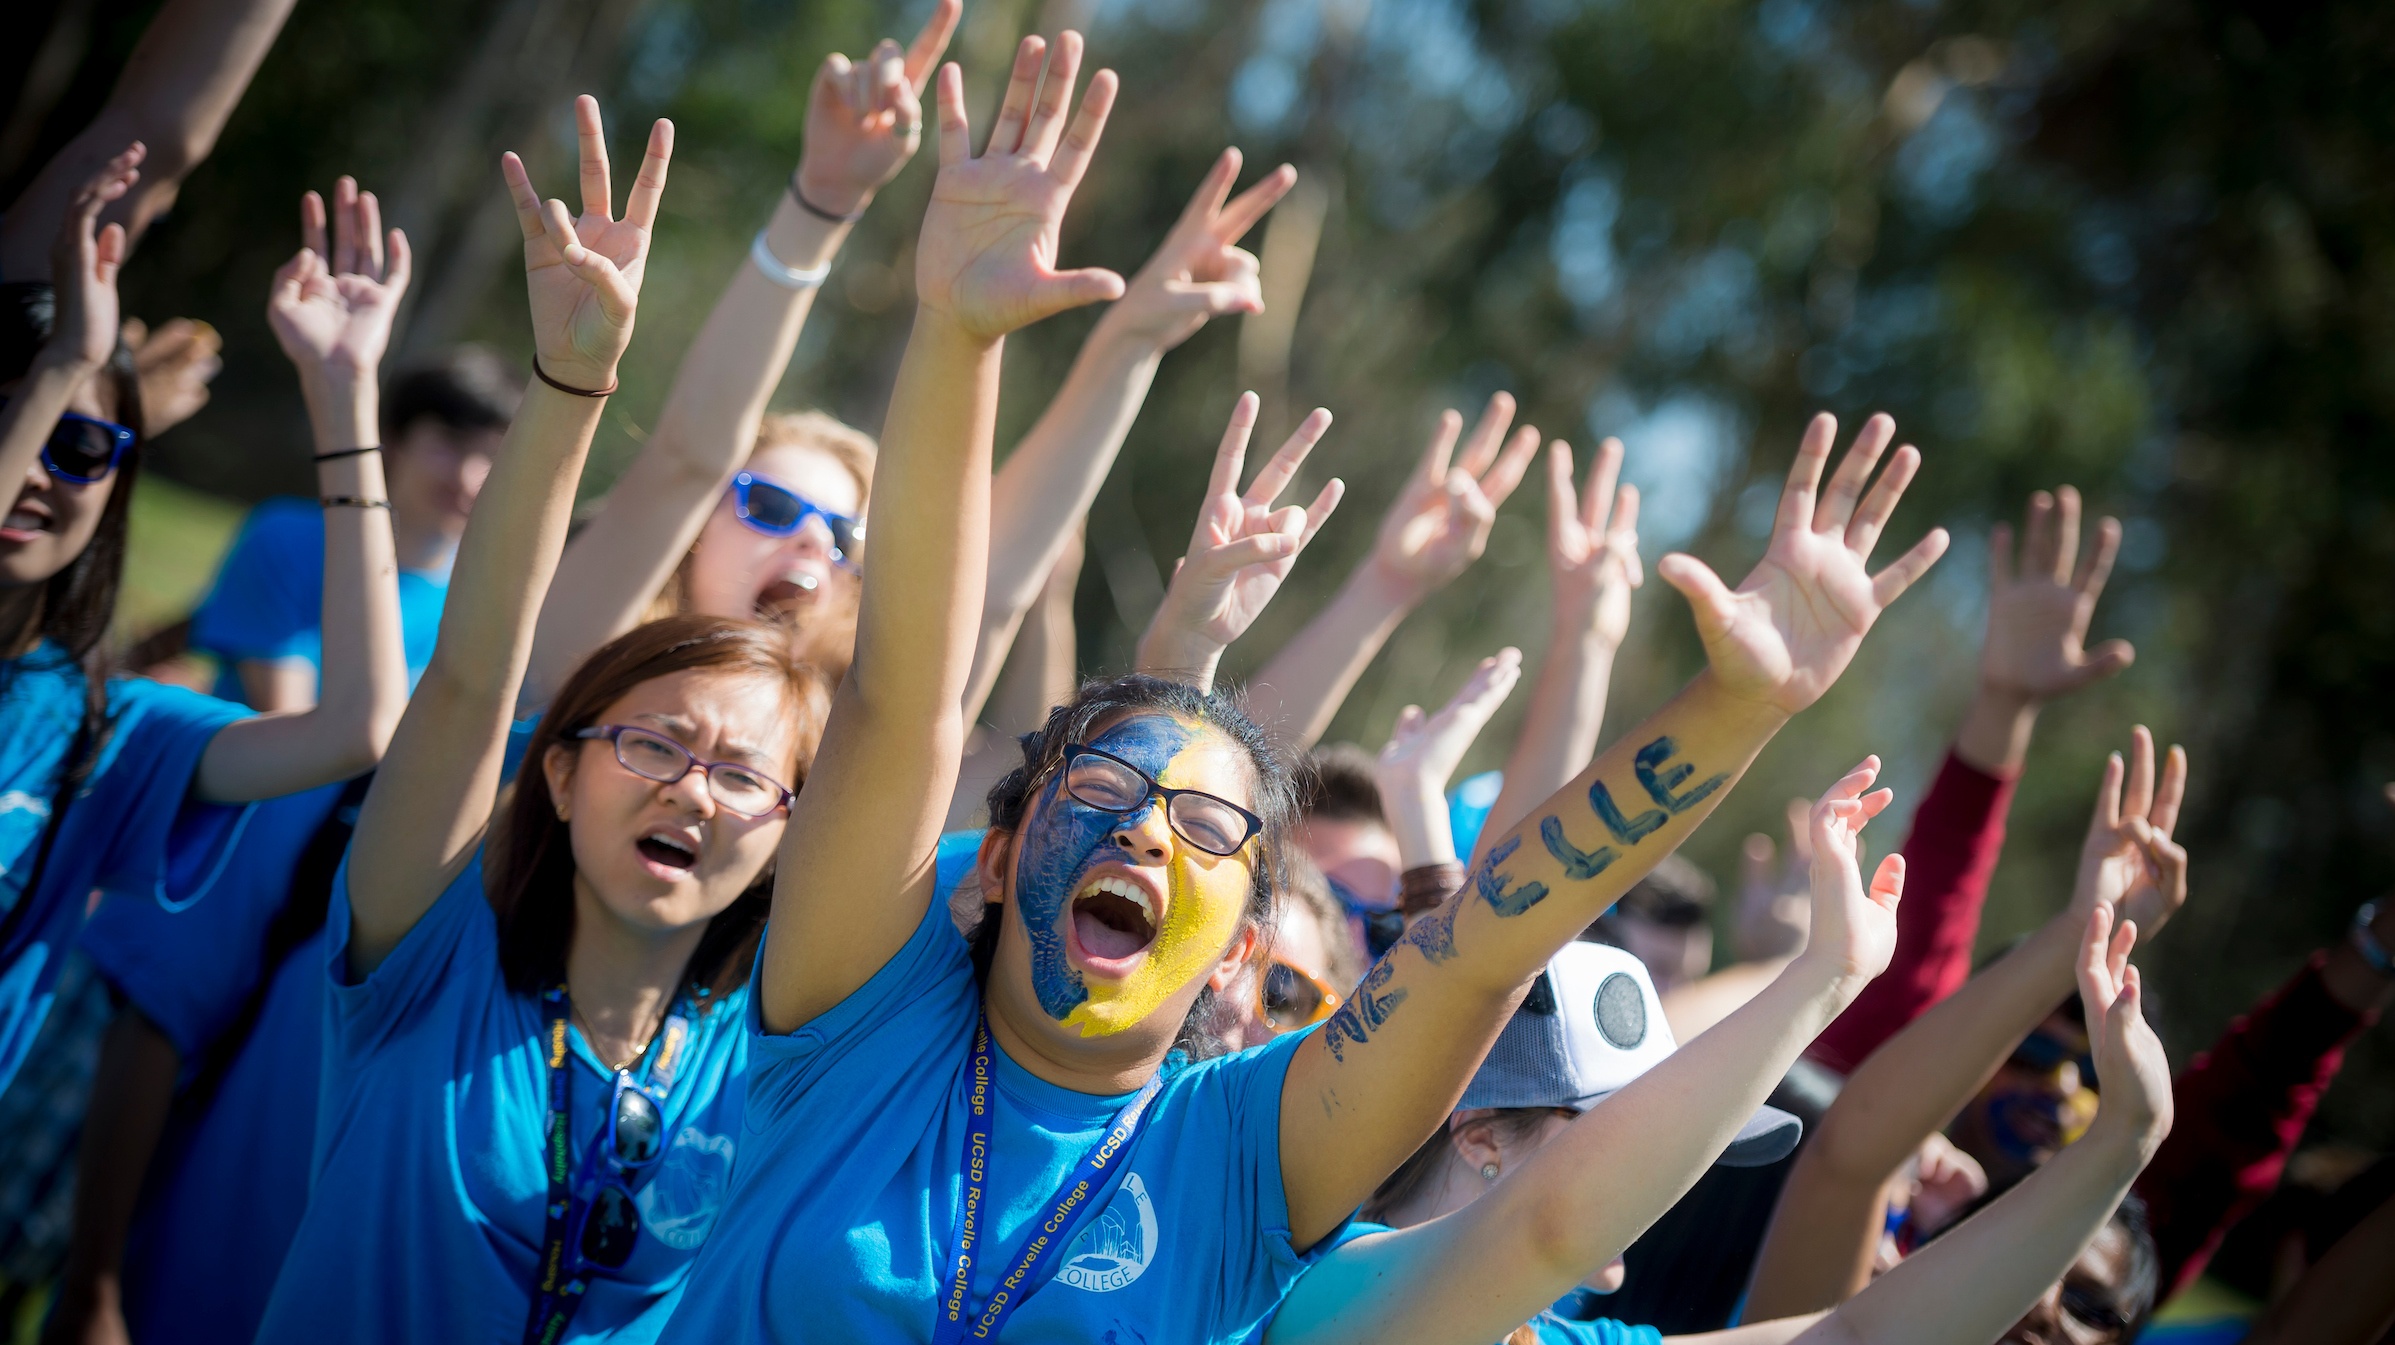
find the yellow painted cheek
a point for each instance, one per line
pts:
(1202, 911)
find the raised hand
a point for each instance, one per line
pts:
(987, 259)
(1854, 930)
(175, 364)
(584, 272)
(1440, 522)
(2038, 611)
(865, 120)
(1240, 550)
(2129, 862)
(1424, 750)
(1592, 545)
(2129, 1057)
(1792, 625)
(1200, 271)
(331, 306)
(84, 262)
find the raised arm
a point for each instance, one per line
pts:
(1828, 1222)
(1239, 552)
(1970, 1285)
(1364, 1091)
(1479, 1272)
(1438, 526)
(1422, 754)
(864, 122)
(178, 87)
(856, 871)
(2034, 651)
(331, 310)
(434, 793)
(1592, 565)
(85, 256)
(1048, 482)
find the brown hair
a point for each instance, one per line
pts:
(530, 879)
(1339, 782)
(1511, 1126)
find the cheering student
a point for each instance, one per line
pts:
(731, 511)
(990, 1136)
(525, 1114)
(1585, 1123)
(105, 768)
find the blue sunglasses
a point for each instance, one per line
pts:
(778, 511)
(84, 449)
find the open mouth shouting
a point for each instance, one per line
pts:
(1113, 920)
(27, 519)
(802, 583)
(667, 854)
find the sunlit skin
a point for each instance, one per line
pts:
(52, 520)
(1360, 856)
(738, 571)
(627, 872)
(1052, 991)
(1473, 1146)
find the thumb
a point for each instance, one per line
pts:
(1073, 289)
(2105, 660)
(1887, 884)
(1707, 596)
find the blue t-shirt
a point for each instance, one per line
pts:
(851, 1174)
(429, 1149)
(131, 818)
(268, 599)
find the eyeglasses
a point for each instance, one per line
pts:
(778, 511)
(1384, 926)
(2041, 1052)
(1113, 785)
(653, 756)
(1289, 997)
(635, 1134)
(83, 449)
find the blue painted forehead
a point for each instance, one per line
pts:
(1148, 741)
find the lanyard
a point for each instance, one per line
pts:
(957, 1321)
(558, 1294)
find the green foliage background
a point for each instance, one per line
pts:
(2143, 247)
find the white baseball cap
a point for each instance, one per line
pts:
(1591, 1023)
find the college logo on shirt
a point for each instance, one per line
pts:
(679, 1204)
(1117, 1246)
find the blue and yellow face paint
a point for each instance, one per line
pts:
(1205, 895)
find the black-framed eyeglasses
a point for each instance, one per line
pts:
(653, 756)
(2093, 1305)
(635, 1137)
(83, 449)
(2041, 1052)
(1113, 785)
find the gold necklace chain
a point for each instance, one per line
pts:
(592, 1037)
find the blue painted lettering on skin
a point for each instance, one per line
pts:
(1578, 864)
(1627, 830)
(1064, 840)
(1492, 885)
(1360, 1017)
(1434, 933)
(1660, 783)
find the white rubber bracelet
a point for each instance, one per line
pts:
(788, 277)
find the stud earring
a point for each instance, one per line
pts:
(1489, 1170)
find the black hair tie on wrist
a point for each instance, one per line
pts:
(817, 211)
(352, 502)
(332, 453)
(543, 375)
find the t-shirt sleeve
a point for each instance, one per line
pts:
(929, 982)
(138, 809)
(1247, 1089)
(267, 600)
(456, 941)
(191, 956)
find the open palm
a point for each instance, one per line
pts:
(1429, 747)
(865, 120)
(2038, 613)
(988, 253)
(2129, 864)
(1854, 926)
(332, 306)
(86, 257)
(1793, 624)
(584, 272)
